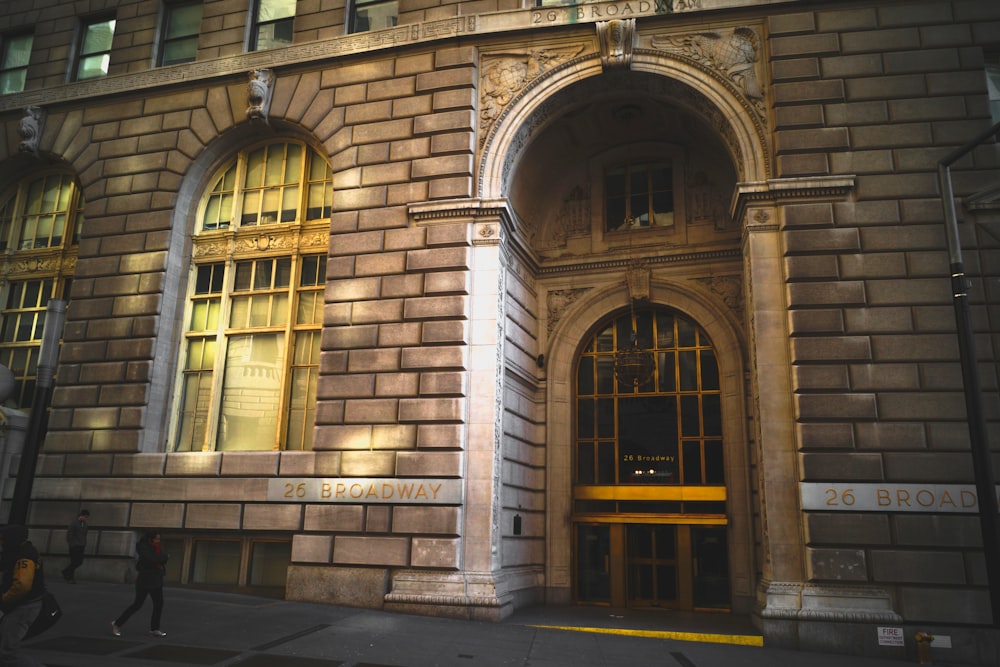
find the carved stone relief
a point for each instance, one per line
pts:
(505, 75)
(260, 88)
(735, 54)
(30, 129)
(557, 303)
(728, 288)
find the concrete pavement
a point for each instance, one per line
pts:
(223, 630)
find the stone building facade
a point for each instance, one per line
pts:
(351, 288)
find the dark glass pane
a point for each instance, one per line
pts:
(283, 272)
(585, 463)
(585, 377)
(585, 418)
(689, 416)
(692, 463)
(667, 380)
(614, 213)
(262, 278)
(244, 272)
(605, 374)
(594, 506)
(711, 414)
(688, 360)
(709, 371)
(685, 333)
(666, 541)
(606, 463)
(649, 507)
(640, 542)
(666, 582)
(664, 330)
(606, 340)
(647, 440)
(711, 581)
(605, 417)
(593, 551)
(714, 471)
(614, 183)
(623, 325)
(644, 329)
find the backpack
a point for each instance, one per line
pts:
(47, 617)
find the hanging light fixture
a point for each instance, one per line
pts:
(635, 366)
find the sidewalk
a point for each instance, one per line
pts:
(222, 629)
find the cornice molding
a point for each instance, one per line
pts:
(310, 53)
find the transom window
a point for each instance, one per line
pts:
(665, 431)
(251, 350)
(373, 15)
(639, 195)
(179, 37)
(273, 24)
(14, 62)
(40, 221)
(94, 52)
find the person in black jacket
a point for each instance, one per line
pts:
(21, 588)
(148, 582)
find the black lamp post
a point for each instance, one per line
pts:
(982, 459)
(48, 353)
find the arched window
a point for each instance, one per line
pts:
(40, 221)
(666, 430)
(250, 357)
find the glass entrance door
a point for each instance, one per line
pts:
(649, 492)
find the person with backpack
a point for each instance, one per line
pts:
(150, 569)
(22, 586)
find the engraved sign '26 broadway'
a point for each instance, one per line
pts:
(888, 497)
(399, 490)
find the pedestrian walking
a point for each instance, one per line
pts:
(150, 569)
(22, 585)
(76, 538)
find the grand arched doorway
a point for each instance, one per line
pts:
(649, 494)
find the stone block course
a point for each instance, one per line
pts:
(890, 435)
(872, 265)
(853, 406)
(212, 516)
(822, 240)
(935, 530)
(853, 529)
(836, 564)
(900, 86)
(878, 320)
(800, 45)
(426, 520)
(840, 348)
(813, 139)
(921, 347)
(925, 567)
(388, 551)
(826, 294)
(891, 136)
(845, 466)
(783, 24)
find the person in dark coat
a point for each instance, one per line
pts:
(76, 539)
(22, 585)
(150, 569)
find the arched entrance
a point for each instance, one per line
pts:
(608, 172)
(649, 495)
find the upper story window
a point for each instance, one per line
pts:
(250, 355)
(14, 62)
(40, 218)
(639, 194)
(179, 36)
(272, 24)
(94, 54)
(373, 15)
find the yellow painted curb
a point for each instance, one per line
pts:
(741, 640)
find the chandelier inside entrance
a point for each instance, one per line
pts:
(635, 366)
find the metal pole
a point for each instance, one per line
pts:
(989, 517)
(48, 352)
